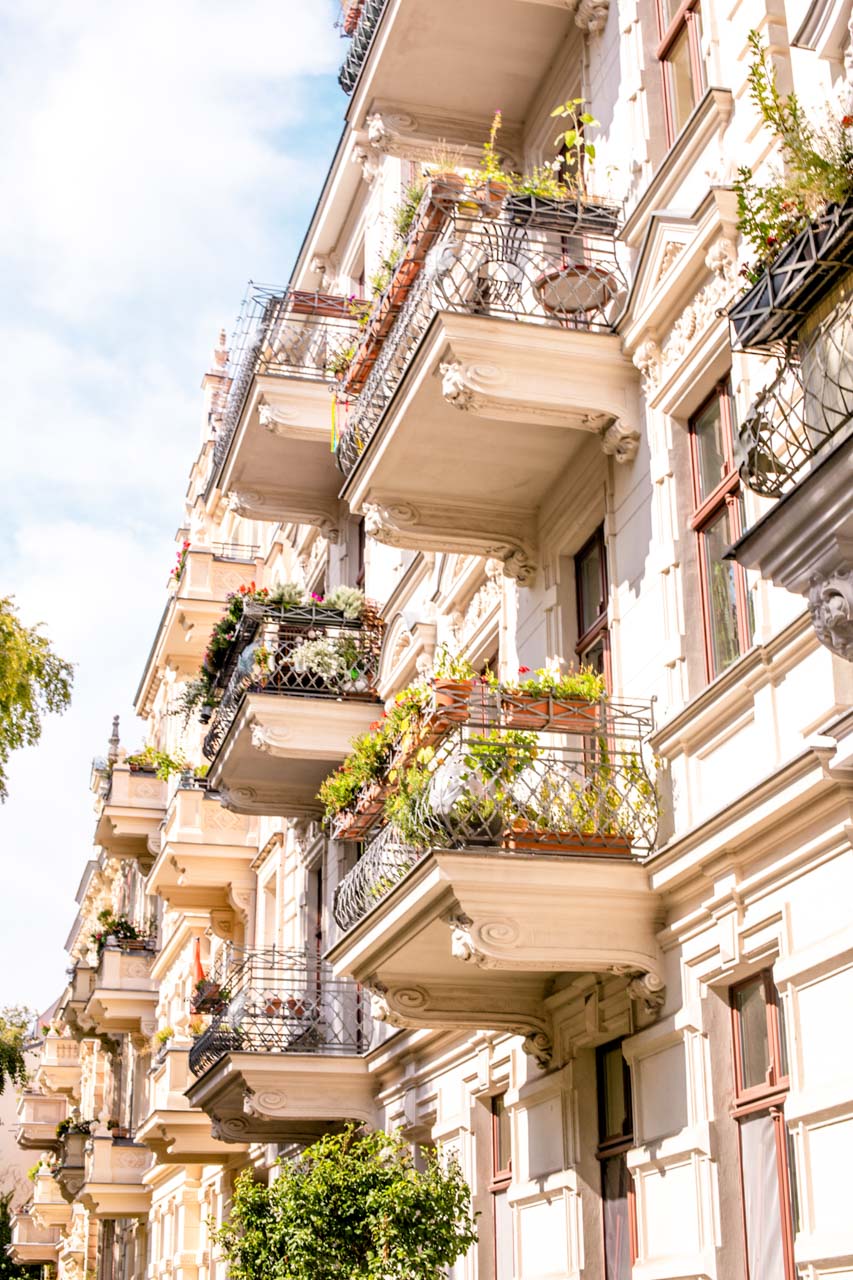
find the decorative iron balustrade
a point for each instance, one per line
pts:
(795, 282)
(807, 405)
(274, 1001)
(360, 20)
(245, 552)
(584, 787)
(289, 334)
(475, 252)
(268, 655)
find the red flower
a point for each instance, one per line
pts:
(847, 121)
(772, 240)
(523, 671)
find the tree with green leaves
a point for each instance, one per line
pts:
(351, 1207)
(10, 1270)
(33, 681)
(14, 1021)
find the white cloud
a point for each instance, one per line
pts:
(154, 158)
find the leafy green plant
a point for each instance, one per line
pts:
(346, 600)
(335, 659)
(118, 927)
(164, 1035)
(817, 167)
(14, 1022)
(545, 682)
(491, 166)
(449, 666)
(287, 595)
(163, 764)
(73, 1124)
(340, 360)
(406, 211)
(579, 153)
(33, 682)
(352, 1206)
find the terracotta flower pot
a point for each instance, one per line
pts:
(564, 715)
(452, 700)
(526, 838)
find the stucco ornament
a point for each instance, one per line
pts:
(831, 607)
(540, 1047)
(454, 386)
(620, 440)
(649, 990)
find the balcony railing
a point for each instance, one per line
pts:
(475, 252)
(360, 18)
(288, 334)
(243, 552)
(266, 657)
(807, 405)
(539, 779)
(274, 1001)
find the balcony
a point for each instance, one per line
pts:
(195, 605)
(489, 362)
(283, 1057)
(131, 804)
(58, 1068)
(281, 724)
(113, 1178)
(176, 1132)
(70, 1168)
(31, 1243)
(124, 995)
(278, 418)
(38, 1117)
(49, 1206)
(203, 848)
(518, 858)
(459, 63)
(796, 446)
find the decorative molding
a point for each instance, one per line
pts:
(671, 250)
(283, 505)
(830, 601)
(591, 16)
(278, 422)
(620, 441)
(649, 990)
(539, 1046)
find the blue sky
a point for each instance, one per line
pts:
(155, 158)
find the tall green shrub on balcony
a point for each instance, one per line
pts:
(353, 1205)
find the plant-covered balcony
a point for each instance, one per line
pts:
(114, 1169)
(288, 680)
(32, 1244)
(277, 418)
(504, 826)
(73, 1135)
(176, 1132)
(38, 1116)
(282, 1058)
(124, 995)
(58, 1069)
(500, 310)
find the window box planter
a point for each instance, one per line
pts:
(795, 281)
(569, 715)
(526, 838)
(568, 217)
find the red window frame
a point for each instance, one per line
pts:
(598, 629)
(687, 18)
(612, 1145)
(724, 497)
(768, 1097)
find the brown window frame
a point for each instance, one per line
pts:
(501, 1176)
(768, 1097)
(610, 1145)
(687, 18)
(599, 629)
(724, 497)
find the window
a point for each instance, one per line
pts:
(680, 56)
(718, 521)
(591, 588)
(761, 1085)
(615, 1136)
(501, 1178)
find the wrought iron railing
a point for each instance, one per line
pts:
(245, 552)
(524, 259)
(286, 333)
(360, 20)
(269, 655)
(807, 405)
(583, 786)
(275, 1001)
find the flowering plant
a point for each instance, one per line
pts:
(547, 682)
(181, 561)
(118, 927)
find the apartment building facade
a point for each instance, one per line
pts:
(552, 438)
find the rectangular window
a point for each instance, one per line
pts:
(501, 1178)
(615, 1136)
(761, 1085)
(592, 590)
(680, 56)
(718, 521)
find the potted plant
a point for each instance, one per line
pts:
(471, 790)
(549, 699)
(490, 185)
(453, 680)
(209, 997)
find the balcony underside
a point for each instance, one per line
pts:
(183, 1137)
(30, 1255)
(33, 1136)
(459, 60)
(115, 1199)
(283, 1097)
(284, 435)
(111, 1012)
(487, 417)
(473, 939)
(278, 750)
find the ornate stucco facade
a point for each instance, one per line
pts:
(641, 1062)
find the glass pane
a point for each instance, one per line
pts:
(614, 1104)
(670, 9)
(754, 1044)
(503, 1141)
(709, 431)
(722, 599)
(762, 1210)
(682, 91)
(594, 655)
(504, 1269)
(615, 1184)
(591, 602)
